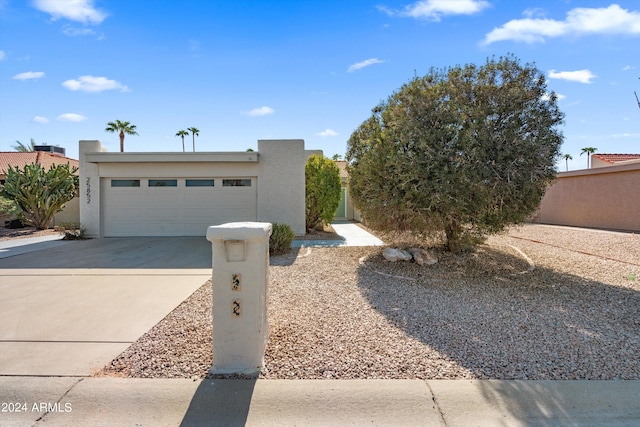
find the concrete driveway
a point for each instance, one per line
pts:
(70, 309)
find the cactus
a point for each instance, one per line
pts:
(40, 193)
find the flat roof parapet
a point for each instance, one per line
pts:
(205, 157)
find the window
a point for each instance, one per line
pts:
(246, 182)
(163, 183)
(125, 183)
(199, 182)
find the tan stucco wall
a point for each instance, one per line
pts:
(605, 197)
(597, 163)
(70, 213)
(281, 183)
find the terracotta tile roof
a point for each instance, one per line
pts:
(614, 158)
(38, 157)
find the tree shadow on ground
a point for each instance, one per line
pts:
(539, 325)
(543, 324)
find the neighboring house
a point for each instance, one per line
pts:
(71, 211)
(346, 210)
(46, 160)
(604, 160)
(182, 194)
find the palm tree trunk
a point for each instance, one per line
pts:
(194, 142)
(122, 141)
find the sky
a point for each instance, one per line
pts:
(241, 71)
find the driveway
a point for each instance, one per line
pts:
(70, 309)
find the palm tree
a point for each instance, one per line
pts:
(22, 148)
(182, 134)
(122, 128)
(589, 151)
(194, 132)
(567, 157)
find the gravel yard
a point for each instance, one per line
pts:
(539, 302)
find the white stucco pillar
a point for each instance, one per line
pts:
(89, 188)
(240, 253)
(281, 184)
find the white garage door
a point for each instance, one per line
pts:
(175, 206)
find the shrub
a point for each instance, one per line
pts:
(9, 208)
(281, 237)
(323, 190)
(71, 230)
(465, 151)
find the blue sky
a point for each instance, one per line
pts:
(246, 70)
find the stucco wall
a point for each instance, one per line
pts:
(70, 213)
(281, 183)
(604, 197)
(90, 188)
(278, 167)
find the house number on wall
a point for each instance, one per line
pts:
(235, 282)
(88, 190)
(235, 308)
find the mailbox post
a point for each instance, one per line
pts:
(240, 253)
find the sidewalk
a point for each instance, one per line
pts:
(182, 402)
(350, 233)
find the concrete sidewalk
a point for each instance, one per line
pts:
(183, 402)
(350, 233)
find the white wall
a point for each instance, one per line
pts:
(281, 183)
(279, 170)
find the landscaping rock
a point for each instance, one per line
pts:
(394, 254)
(423, 256)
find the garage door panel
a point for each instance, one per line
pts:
(179, 210)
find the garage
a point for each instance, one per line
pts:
(167, 206)
(182, 194)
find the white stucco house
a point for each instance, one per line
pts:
(182, 194)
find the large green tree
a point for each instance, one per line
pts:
(323, 190)
(122, 128)
(465, 150)
(40, 193)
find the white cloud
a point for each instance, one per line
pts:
(580, 76)
(74, 10)
(71, 117)
(261, 111)
(628, 68)
(40, 119)
(626, 135)
(327, 132)
(29, 75)
(94, 84)
(365, 63)
(579, 22)
(435, 9)
(74, 31)
(2, 55)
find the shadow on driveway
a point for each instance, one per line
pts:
(120, 253)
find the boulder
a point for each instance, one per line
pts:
(423, 256)
(394, 254)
